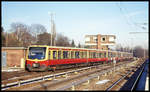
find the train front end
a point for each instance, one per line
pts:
(36, 58)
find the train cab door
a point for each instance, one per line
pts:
(54, 56)
(49, 56)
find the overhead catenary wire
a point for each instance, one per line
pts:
(121, 10)
(130, 21)
(139, 25)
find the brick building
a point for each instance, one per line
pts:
(99, 41)
(12, 56)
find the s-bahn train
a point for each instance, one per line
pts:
(43, 57)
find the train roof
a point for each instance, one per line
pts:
(73, 48)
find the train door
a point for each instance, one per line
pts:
(59, 54)
(72, 54)
(49, 55)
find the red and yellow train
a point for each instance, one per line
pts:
(42, 57)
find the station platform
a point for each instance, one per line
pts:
(11, 69)
(147, 84)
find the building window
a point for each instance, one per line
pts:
(111, 39)
(87, 39)
(103, 39)
(95, 39)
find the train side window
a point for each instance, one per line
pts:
(65, 54)
(99, 55)
(117, 54)
(108, 54)
(114, 54)
(103, 55)
(85, 54)
(59, 54)
(94, 54)
(91, 54)
(77, 54)
(54, 54)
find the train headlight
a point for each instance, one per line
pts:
(35, 65)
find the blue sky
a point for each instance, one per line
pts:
(77, 19)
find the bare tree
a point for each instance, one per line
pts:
(138, 51)
(19, 29)
(127, 49)
(3, 37)
(119, 47)
(44, 39)
(62, 40)
(21, 33)
(36, 29)
(12, 40)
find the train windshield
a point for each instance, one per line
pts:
(37, 53)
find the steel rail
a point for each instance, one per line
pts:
(89, 78)
(115, 83)
(80, 81)
(134, 85)
(38, 79)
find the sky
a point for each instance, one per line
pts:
(77, 19)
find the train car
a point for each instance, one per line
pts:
(43, 58)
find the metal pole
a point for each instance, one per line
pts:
(6, 39)
(144, 53)
(51, 29)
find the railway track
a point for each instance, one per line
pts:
(24, 75)
(47, 77)
(128, 74)
(134, 83)
(71, 86)
(20, 81)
